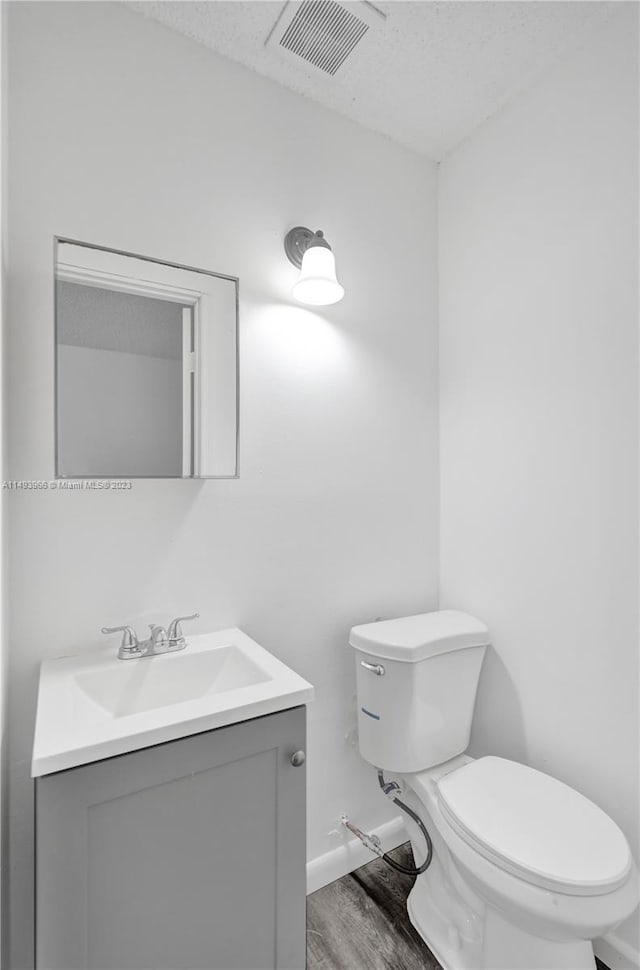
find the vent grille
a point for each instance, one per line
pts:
(323, 33)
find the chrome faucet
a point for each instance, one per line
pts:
(159, 640)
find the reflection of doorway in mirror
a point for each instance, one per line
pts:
(146, 367)
(120, 384)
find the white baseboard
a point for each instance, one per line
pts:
(616, 953)
(352, 854)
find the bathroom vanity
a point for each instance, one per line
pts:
(182, 844)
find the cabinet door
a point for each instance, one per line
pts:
(189, 854)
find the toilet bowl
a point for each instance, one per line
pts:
(526, 871)
(505, 906)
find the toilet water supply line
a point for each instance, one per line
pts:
(372, 842)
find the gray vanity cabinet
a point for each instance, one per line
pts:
(189, 854)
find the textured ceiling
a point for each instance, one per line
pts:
(430, 74)
(89, 316)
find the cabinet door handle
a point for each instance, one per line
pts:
(298, 758)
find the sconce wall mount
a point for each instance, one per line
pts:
(298, 240)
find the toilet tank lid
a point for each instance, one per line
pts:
(414, 638)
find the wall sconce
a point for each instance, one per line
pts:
(311, 253)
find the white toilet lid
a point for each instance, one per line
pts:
(535, 827)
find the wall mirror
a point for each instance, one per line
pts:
(146, 367)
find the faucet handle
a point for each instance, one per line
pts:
(129, 646)
(175, 629)
(129, 637)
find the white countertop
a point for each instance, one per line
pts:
(93, 705)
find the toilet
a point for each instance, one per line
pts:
(526, 871)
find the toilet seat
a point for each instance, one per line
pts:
(535, 827)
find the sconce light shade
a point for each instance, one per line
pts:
(317, 284)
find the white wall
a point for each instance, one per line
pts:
(4, 640)
(127, 135)
(539, 437)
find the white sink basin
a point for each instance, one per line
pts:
(133, 687)
(94, 706)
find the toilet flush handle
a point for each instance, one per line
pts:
(376, 669)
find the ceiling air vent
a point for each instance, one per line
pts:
(323, 33)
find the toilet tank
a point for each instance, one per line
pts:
(417, 678)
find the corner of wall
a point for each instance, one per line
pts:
(3, 466)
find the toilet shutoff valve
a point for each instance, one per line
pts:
(372, 842)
